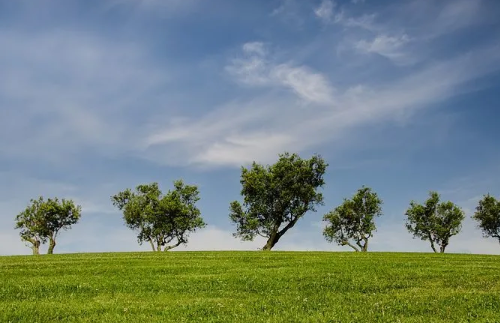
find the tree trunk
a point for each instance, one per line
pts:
(35, 247)
(152, 245)
(347, 243)
(443, 247)
(52, 245)
(273, 239)
(276, 235)
(432, 244)
(365, 246)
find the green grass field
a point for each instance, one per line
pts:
(250, 287)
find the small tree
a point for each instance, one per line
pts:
(488, 215)
(277, 196)
(434, 221)
(352, 223)
(43, 220)
(161, 219)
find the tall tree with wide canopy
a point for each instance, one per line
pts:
(164, 220)
(43, 220)
(277, 196)
(352, 223)
(435, 222)
(488, 215)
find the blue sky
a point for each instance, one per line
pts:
(98, 96)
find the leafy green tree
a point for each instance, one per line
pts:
(164, 220)
(352, 223)
(43, 220)
(488, 215)
(435, 222)
(277, 196)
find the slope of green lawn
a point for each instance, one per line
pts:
(250, 287)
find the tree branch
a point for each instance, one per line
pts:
(358, 243)
(432, 242)
(346, 242)
(167, 248)
(288, 226)
(152, 244)
(260, 234)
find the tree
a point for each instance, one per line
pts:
(277, 196)
(434, 221)
(43, 220)
(354, 220)
(161, 219)
(488, 215)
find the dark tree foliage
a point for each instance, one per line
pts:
(488, 215)
(43, 220)
(165, 221)
(352, 223)
(435, 222)
(277, 196)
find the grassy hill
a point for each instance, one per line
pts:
(250, 287)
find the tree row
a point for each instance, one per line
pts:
(275, 197)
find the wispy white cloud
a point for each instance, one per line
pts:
(365, 21)
(403, 33)
(329, 12)
(259, 129)
(325, 10)
(257, 48)
(236, 149)
(256, 69)
(77, 118)
(454, 15)
(234, 134)
(387, 46)
(307, 84)
(252, 70)
(284, 6)
(289, 11)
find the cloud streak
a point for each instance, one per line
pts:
(255, 69)
(325, 10)
(387, 46)
(261, 127)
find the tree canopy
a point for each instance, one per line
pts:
(352, 223)
(435, 222)
(488, 215)
(277, 196)
(165, 221)
(43, 220)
